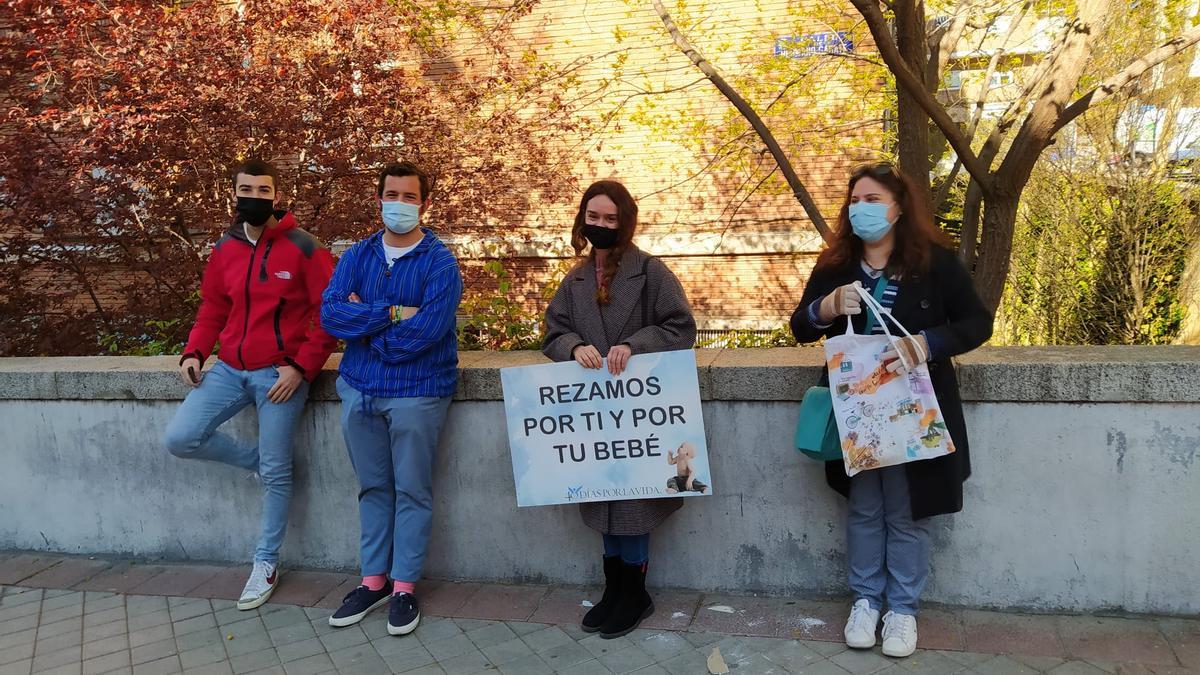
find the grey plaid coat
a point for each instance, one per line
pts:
(575, 318)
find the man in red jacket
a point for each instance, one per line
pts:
(261, 297)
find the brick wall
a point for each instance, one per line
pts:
(750, 291)
(740, 283)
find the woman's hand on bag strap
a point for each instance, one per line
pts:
(844, 300)
(906, 353)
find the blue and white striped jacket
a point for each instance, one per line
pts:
(412, 358)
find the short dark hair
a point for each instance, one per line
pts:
(255, 167)
(401, 169)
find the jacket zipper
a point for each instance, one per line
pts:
(262, 270)
(246, 320)
(278, 315)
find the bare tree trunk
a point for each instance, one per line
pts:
(995, 246)
(1000, 207)
(1043, 119)
(1053, 85)
(913, 121)
(1189, 297)
(968, 243)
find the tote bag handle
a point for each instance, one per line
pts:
(880, 313)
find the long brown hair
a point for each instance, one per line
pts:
(626, 225)
(916, 235)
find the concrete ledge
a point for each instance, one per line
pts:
(1083, 494)
(993, 374)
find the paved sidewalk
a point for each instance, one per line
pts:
(76, 615)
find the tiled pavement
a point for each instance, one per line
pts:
(75, 615)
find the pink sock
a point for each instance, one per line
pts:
(404, 587)
(375, 582)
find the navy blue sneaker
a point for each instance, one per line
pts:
(403, 615)
(357, 604)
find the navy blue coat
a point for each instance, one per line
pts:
(944, 304)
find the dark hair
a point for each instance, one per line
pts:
(401, 169)
(916, 235)
(256, 167)
(626, 225)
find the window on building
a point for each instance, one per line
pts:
(1185, 142)
(1001, 78)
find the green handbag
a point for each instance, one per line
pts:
(816, 432)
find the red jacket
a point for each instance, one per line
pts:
(264, 301)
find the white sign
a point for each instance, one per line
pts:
(581, 435)
(813, 44)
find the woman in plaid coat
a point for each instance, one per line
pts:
(618, 301)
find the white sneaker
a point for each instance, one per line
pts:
(899, 634)
(259, 586)
(860, 627)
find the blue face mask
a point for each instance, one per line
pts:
(869, 221)
(400, 217)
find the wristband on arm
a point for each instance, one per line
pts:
(194, 354)
(292, 362)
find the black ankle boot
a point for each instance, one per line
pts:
(599, 613)
(633, 604)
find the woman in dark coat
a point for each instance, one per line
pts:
(617, 302)
(885, 235)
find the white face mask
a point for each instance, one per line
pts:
(400, 217)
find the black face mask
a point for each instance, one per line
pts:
(600, 237)
(254, 211)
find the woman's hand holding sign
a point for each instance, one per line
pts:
(587, 356)
(618, 358)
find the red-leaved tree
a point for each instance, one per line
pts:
(121, 119)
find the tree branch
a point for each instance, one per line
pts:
(944, 41)
(785, 166)
(1127, 76)
(980, 99)
(1061, 79)
(916, 88)
(1037, 82)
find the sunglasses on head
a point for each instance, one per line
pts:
(876, 169)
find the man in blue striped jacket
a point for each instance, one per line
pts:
(393, 298)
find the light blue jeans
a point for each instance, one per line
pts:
(224, 391)
(888, 551)
(392, 442)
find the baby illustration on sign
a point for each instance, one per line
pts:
(684, 479)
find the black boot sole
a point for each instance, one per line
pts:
(627, 631)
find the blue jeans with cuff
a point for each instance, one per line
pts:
(392, 444)
(888, 551)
